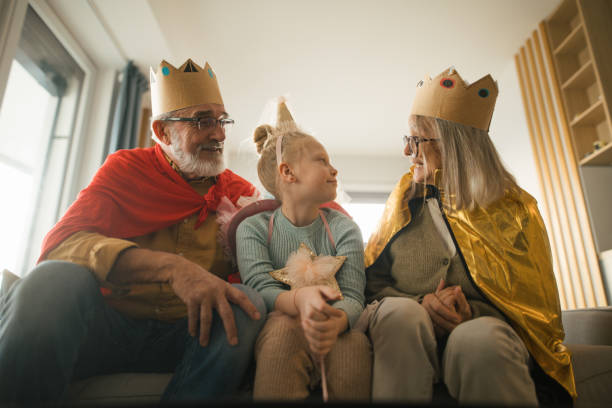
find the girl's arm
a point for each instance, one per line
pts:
(254, 261)
(255, 265)
(351, 277)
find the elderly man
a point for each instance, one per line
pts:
(134, 278)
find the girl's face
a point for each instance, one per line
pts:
(315, 176)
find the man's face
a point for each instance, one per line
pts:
(197, 148)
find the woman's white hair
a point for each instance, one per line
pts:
(473, 174)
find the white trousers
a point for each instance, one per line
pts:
(484, 361)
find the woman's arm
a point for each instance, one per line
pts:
(381, 284)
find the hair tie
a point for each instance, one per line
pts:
(279, 142)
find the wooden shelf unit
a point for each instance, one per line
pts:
(565, 73)
(600, 157)
(579, 34)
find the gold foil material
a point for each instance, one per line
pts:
(507, 253)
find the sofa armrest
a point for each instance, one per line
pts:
(588, 326)
(6, 281)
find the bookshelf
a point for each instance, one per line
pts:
(579, 33)
(565, 73)
(579, 48)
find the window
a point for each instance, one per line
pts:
(37, 119)
(366, 210)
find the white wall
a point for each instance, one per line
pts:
(377, 173)
(510, 134)
(364, 174)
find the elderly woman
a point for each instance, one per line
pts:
(459, 270)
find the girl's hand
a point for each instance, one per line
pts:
(311, 302)
(320, 321)
(322, 335)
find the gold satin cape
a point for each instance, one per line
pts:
(506, 251)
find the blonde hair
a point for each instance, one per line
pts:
(265, 138)
(473, 174)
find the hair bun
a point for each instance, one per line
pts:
(261, 135)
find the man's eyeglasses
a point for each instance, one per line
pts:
(413, 143)
(205, 123)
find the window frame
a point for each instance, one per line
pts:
(11, 26)
(75, 155)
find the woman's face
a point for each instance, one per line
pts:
(426, 155)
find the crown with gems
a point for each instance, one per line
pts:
(176, 88)
(449, 97)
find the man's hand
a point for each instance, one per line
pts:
(320, 321)
(202, 292)
(199, 289)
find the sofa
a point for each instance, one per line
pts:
(588, 335)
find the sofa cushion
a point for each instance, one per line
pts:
(593, 374)
(126, 387)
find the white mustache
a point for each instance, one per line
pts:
(211, 146)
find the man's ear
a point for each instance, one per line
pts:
(160, 131)
(286, 173)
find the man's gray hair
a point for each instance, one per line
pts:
(164, 116)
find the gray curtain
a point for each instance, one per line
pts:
(124, 119)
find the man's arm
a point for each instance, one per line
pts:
(122, 262)
(200, 290)
(139, 265)
(94, 251)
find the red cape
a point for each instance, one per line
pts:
(136, 192)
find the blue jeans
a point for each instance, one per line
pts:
(56, 328)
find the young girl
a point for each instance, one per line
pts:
(312, 323)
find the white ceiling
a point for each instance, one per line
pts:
(349, 67)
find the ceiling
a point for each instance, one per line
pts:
(348, 67)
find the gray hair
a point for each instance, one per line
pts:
(164, 116)
(473, 175)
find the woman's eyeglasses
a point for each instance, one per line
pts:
(413, 143)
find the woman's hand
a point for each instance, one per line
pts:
(453, 297)
(447, 307)
(320, 321)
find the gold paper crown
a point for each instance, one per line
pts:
(448, 97)
(177, 88)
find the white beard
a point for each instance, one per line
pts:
(192, 164)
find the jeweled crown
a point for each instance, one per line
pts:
(449, 97)
(176, 88)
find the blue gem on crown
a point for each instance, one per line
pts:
(483, 93)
